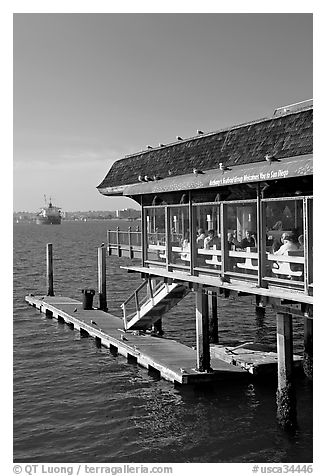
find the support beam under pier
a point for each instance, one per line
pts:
(202, 331)
(308, 347)
(213, 318)
(285, 398)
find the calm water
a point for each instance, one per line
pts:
(75, 402)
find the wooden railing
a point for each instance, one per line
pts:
(124, 242)
(291, 271)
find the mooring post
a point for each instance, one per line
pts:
(202, 332)
(157, 327)
(102, 278)
(49, 269)
(285, 397)
(213, 319)
(260, 305)
(308, 346)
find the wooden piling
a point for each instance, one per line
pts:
(260, 305)
(157, 327)
(202, 332)
(308, 347)
(102, 278)
(285, 398)
(213, 319)
(49, 269)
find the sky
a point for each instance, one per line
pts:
(91, 88)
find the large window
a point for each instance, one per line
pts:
(285, 239)
(154, 236)
(207, 224)
(231, 239)
(241, 238)
(179, 236)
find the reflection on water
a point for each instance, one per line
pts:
(76, 402)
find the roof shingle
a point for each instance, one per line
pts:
(284, 136)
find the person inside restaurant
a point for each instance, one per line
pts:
(212, 240)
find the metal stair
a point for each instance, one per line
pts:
(159, 299)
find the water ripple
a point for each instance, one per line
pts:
(75, 402)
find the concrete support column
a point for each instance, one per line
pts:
(213, 319)
(285, 398)
(202, 332)
(308, 347)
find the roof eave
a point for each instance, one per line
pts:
(112, 191)
(239, 174)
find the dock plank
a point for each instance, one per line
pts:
(175, 361)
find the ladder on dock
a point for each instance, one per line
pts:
(159, 298)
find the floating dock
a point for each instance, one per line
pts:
(172, 360)
(257, 359)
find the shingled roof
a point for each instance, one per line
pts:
(281, 136)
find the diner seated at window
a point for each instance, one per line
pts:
(249, 241)
(185, 242)
(212, 240)
(230, 242)
(291, 271)
(200, 238)
(185, 245)
(288, 245)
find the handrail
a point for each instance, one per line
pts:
(140, 287)
(151, 293)
(286, 258)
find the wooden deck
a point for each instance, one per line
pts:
(174, 361)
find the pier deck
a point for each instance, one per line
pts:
(174, 361)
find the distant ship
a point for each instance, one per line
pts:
(49, 215)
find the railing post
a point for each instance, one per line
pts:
(150, 290)
(307, 233)
(129, 242)
(102, 278)
(137, 303)
(118, 243)
(49, 269)
(125, 322)
(261, 239)
(108, 240)
(168, 250)
(192, 232)
(143, 234)
(224, 240)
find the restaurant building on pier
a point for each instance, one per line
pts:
(248, 190)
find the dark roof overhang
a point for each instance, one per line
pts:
(236, 175)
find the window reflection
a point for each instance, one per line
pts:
(155, 234)
(285, 239)
(286, 242)
(241, 224)
(180, 236)
(207, 224)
